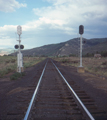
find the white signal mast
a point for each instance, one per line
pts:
(19, 55)
(81, 31)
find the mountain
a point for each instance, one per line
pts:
(69, 47)
(95, 45)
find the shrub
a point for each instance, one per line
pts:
(64, 60)
(16, 75)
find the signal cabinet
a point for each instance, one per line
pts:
(20, 62)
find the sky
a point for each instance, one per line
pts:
(50, 21)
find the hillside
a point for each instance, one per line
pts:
(69, 47)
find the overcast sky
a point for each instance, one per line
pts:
(50, 21)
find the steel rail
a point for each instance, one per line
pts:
(34, 95)
(80, 102)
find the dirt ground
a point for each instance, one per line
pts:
(94, 85)
(15, 95)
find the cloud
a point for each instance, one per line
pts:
(71, 10)
(7, 28)
(60, 22)
(6, 41)
(7, 36)
(10, 5)
(67, 15)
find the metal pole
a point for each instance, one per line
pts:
(81, 51)
(19, 56)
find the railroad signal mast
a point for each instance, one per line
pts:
(81, 31)
(19, 55)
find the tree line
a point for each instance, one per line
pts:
(103, 54)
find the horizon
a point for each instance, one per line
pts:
(7, 51)
(52, 43)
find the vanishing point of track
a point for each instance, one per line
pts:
(54, 99)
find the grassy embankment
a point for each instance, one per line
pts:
(9, 63)
(92, 65)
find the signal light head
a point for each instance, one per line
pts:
(81, 29)
(21, 46)
(19, 30)
(16, 46)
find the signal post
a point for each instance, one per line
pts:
(19, 55)
(81, 68)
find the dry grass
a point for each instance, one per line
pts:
(9, 63)
(93, 65)
(30, 61)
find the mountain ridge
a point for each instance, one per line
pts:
(69, 47)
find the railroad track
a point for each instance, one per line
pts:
(55, 99)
